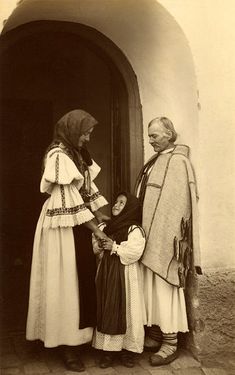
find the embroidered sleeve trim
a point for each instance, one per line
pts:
(66, 210)
(89, 197)
(95, 196)
(57, 169)
(62, 196)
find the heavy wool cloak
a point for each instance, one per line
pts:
(170, 218)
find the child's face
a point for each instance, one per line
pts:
(119, 205)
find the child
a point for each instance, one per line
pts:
(120, 323)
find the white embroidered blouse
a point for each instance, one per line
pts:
(63, 181)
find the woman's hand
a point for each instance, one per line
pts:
(107, 244)
(105, 217)
(100, 235)
(101, 217)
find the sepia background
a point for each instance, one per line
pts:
(183, 53)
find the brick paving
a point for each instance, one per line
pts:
(20, 357)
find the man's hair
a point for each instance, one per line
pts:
(167, 124)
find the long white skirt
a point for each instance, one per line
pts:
(164, 303)
(53, 314)
(133, 339)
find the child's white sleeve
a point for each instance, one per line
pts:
(131, 250)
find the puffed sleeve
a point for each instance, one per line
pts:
(62, 180)
(94, 170)
(96, 200)
(59, 169)
(131, 250)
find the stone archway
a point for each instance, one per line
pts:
(126, 112)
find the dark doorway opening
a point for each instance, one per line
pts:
(47, 69)
(20, 199)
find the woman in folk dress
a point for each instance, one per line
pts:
(62, 303)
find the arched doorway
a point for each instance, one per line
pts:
(47, 69)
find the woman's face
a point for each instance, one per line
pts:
(85, 137)
(119, 205)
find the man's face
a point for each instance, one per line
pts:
(158, 137)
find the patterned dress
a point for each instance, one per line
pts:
(54, 313)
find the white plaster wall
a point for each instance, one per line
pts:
(209, 27)
(157, 49)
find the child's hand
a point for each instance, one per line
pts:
(107, 244)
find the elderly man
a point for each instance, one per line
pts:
(167, 189)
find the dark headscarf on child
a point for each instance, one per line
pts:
(118, 226)
(110, 281)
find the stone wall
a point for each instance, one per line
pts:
(211, 310)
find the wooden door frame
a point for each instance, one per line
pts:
(116, 57)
